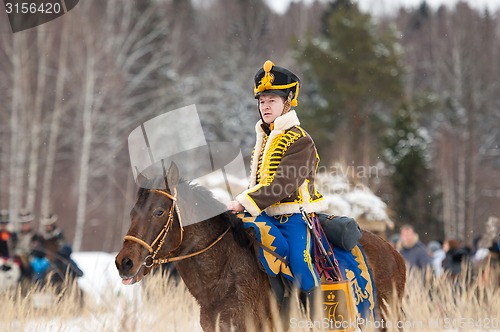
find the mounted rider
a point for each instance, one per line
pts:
(283, 170)
(25, 240)
(50, 236)
(49, 229)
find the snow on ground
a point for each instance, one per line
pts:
(112, 306)
(100, 276)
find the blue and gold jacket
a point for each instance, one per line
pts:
(283, 169)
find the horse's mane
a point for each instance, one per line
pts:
(202, 196)
(239, 233)
(198, 195)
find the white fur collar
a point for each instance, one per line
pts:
(282, 122)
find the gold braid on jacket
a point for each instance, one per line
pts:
(270, 162)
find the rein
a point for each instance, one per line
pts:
(151, 259)
(178, 258)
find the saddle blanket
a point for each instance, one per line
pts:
(352, 264)
(353, 267)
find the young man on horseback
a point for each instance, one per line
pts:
(283, 171)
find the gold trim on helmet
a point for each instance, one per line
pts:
(266, 83)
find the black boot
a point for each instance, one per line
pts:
(277, 287)
(310, 300)
(281, 289)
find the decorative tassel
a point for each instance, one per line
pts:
(294, 101)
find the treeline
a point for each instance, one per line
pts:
(415, 94)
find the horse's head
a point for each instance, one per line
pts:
(155, 231)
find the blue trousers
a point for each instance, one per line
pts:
(288, 236)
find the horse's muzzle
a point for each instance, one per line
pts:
(129, 271)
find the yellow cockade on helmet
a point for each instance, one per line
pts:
(267, 81)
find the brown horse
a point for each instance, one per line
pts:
(220, 270)
(50, 247)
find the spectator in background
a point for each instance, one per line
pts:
(456, 255)
(394, 241)
(481, 249)
(486, 262)
(24, 241)
(437, 255)
(485, 258)
(6, 237)
(49, 228)
(413, 251)
(40, 265)
(51, 237)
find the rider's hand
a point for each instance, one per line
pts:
(235, 206)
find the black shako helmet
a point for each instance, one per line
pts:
(277, 80)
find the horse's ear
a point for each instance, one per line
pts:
(141, 179)
(173, 176)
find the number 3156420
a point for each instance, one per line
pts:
(33, 8)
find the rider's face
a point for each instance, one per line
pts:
(270, 107)
(25, 227)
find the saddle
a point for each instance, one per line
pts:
(342, 232)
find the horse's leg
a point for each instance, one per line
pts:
(388, 269)
(206, 320)
(220, 320)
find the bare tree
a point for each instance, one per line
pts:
(17, 134)
(453, 53)
(126, 83)
(43, 45)
(54, 127)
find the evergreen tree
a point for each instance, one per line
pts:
(406, 153)
(353, 76)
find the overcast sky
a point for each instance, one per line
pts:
(388, 6)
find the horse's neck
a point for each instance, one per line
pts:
(51, 247)
(202, 273)
(200, 235)
(213, 273)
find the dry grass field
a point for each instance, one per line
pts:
(434, 304)
(440, 304)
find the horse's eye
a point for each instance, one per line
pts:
(158, 212)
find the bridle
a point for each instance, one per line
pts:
(151, 259)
